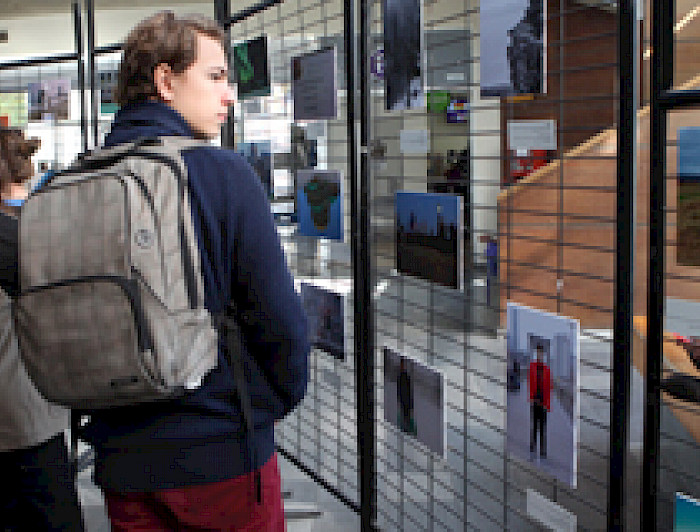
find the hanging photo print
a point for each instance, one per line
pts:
(320, 203)
(513, 47)
(688, 226)
(414, 400)
(687, 514)
(314, 85)
(402, 66)
(429, 237)
(542, 390)
(108, 92)
(49, 99)
(325, 311)
(251, 68)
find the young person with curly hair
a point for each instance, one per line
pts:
(38, 479)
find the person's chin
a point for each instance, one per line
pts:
(205, 135)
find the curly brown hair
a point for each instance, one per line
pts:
(15, 156)
(161, 38)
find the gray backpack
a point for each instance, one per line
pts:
(111, 310)
(26, 418)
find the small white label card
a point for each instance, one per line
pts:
(549, 513)
(414, 141)
(532, 135)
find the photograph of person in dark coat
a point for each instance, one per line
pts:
(407, 422)
(402, 54)
(414, 395)
(539, 385)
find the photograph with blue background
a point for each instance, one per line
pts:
(320, 203)
(688, 217)
(687, 514)
(429, 233)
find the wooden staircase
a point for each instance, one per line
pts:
(557, 229)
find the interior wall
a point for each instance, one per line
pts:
(581, 76)
(111, 26)
(485, 146)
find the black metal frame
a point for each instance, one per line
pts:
(77, 22)
(94, 103)
(663, 99)
(76, 56)
(249, 12)
(362, 271)
(628, 38)
(360, 248)
(35, 61)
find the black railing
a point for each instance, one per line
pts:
(624, 267)
(662, 15)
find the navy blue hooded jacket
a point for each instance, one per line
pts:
(201, 437)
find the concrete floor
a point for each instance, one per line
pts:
(479, 485)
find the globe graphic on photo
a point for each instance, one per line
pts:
(320, 195)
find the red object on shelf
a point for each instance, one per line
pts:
(522, 166)
(4, 121)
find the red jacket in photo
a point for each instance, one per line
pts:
(545, 382)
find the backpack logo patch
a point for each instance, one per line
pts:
(144, 238)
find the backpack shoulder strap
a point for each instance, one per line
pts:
(172, 145)
(183, 143)
(227, 325)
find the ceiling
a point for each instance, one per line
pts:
(22, 8)
(14, 8)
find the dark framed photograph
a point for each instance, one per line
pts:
(314, 85)
(251, 68)
(513, 47)
(319, 202)
(414, 400)
(325, 311)
(402, 58)
(429, 237)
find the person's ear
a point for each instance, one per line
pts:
(163, 81)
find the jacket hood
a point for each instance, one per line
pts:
(146, 119)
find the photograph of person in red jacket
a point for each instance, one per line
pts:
(539, 383)
(542, 390)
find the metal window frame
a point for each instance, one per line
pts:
(628, 72)
(76, 56)
(663, 100)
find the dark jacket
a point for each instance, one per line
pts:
(200, 437)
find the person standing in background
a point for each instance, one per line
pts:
(38, 479)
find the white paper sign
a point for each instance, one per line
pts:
(532, 135)
(548, 513)
(454, 76)
(414, 141)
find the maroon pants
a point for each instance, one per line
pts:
(228, 505)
